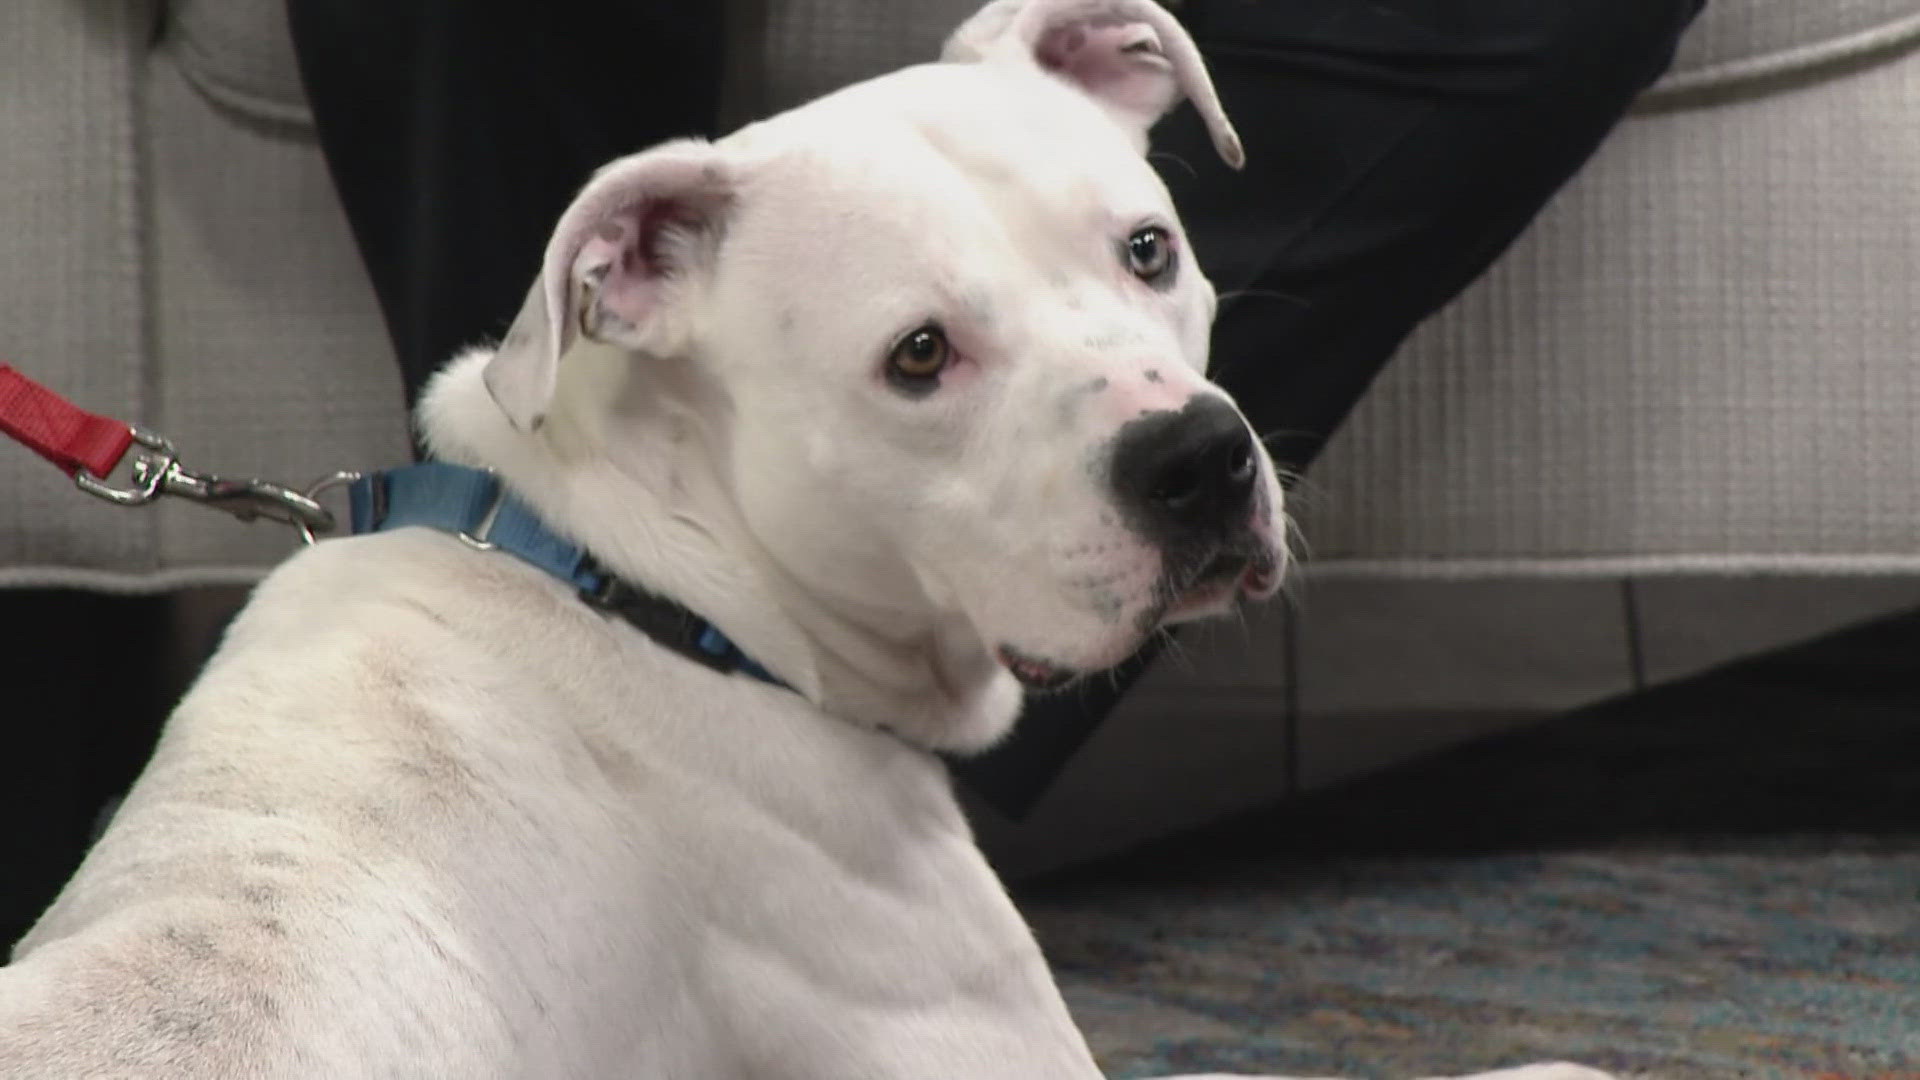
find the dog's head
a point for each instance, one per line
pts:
(939, 346)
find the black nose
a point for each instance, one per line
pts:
(1186, 476)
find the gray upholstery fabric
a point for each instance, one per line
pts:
(1700, 357)
(72, 291)
(1736, 40)
(239, 54)
(175, 258)
(273, 356)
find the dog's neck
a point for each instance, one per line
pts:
(650, 507)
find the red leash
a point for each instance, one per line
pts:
(89, 447)
(59, 430)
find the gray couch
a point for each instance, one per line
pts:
(1676, 424)
(174, 254)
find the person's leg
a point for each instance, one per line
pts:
(457, 131)
(1394, 149)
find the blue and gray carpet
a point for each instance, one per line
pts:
(1719, 879)
(1753, 958)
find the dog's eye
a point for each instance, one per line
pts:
(1150, 254)
(918, 358)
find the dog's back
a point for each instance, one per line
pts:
(293, 863)
(423, 796)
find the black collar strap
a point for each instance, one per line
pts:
(674, 626)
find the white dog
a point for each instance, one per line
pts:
(902, 390)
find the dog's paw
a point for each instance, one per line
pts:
(1553, 1070)
(1240, 1076)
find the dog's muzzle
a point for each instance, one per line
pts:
(1188, 482)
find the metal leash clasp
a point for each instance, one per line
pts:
(146, 485)
(90, 447)
(244, 499)
(314, 491)
(161, 473)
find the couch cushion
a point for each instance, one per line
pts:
(240, 54)
(1699, 355)
(71, 290)
(1737, 40)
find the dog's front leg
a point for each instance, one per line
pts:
(1557, 1070)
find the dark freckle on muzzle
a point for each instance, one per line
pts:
(1185, 479)
(1070, 400)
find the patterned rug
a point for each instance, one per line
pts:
(1781, 958)
(1716, 879)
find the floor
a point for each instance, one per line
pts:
(1720, 878)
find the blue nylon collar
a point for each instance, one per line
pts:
(471, 504)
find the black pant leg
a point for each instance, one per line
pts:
(1450, 124)
(458, 130)
(85, 696)
(1395, 148)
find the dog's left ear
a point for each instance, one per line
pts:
(1131, 56)
(621, 268)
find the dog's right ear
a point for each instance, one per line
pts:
(1130, 56)
(619, 269)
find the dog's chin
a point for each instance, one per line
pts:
(1214, 590)
(1034, 672)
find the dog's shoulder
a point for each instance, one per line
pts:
(410, 595)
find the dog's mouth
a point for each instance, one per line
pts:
(1216, 583)
(1213, 587)
(1033, 672)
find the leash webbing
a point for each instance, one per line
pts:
(58, 430)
